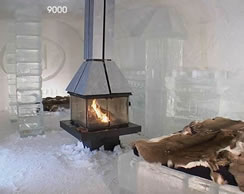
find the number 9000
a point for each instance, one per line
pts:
(57, 9)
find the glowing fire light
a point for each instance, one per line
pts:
(102, 116)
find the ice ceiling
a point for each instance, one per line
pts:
(183, 58)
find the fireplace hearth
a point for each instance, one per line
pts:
(99, 92)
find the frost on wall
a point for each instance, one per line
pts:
(183, 60)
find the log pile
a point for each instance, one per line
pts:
(56, 103)
(214, 143)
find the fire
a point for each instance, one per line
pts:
(102, 116)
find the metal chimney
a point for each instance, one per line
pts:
(99, 92)
(99, 21)
(98, 75)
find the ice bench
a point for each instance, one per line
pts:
(139, 177)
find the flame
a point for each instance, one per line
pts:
(102, 116)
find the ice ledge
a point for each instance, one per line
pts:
(138, 176)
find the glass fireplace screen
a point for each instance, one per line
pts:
(99, 113)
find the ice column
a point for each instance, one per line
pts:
(155, 72)
(10, 68)
(28, 72)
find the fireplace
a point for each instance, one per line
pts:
(99, 91)
(99, 113)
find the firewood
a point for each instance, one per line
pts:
(92, 114)
(53, 104)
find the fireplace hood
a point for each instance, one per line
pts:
(99, 93)
(98, 75)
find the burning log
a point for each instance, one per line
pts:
(97, 112)
(214, 143)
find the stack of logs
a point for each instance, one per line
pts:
(56, 103)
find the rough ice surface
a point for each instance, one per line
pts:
(54, 163)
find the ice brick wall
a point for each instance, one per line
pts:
(183, 60)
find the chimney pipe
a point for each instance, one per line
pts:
(98, 74)
(98, 34)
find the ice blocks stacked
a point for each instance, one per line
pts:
(28, 71)
(10, 68)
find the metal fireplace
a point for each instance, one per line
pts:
(99, 92)
(99, 113)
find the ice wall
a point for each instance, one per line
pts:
(61, 44)
(183, 60)
(62, 52)
(56, 59)
(3, 74)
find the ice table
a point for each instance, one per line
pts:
(138, 176)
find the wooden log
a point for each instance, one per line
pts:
(53, 104)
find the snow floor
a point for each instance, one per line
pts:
(55, 163)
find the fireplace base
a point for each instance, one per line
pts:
(108, 138)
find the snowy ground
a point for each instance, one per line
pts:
(54, 163)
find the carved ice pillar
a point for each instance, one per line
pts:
(155, 95)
